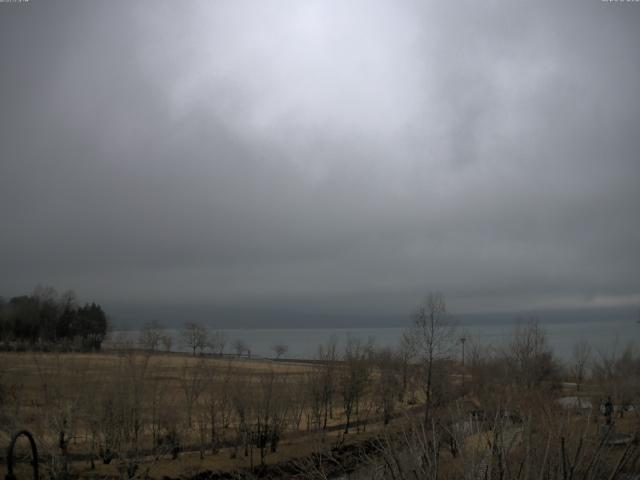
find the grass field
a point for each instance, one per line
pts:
(90, 396)
(175, 415)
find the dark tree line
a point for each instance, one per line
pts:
(46, 318)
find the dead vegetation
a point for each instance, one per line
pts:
(357, 411)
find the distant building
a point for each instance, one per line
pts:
(578, 404)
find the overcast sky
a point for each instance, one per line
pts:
(333, 155)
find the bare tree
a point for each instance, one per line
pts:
(488, 369)
(315, 389)
(354, 376)
(279, 349)
(327, 354)
(193, 382)
(137, 371)
(217, 399)
(243, 409)
(405, 354)
(298, 395)
(579, 362)
(151, 335)
(530, 357)
(432, 337)
(217, 343)
(388, 381)
(240, 346)
(628, 378)
(167, 342)
(619, 374)
(156, 405)
(194, 337)
(61, 408)
(118, 414)
(271, 405)
(11, 402)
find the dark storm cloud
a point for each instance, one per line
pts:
(331, 154)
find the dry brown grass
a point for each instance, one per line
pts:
(43, 381)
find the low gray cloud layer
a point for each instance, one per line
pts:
(338, 155)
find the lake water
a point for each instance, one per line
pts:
(604, 336)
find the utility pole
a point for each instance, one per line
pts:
(462, 340)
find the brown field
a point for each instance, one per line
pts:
(53, 392)
(175, 415)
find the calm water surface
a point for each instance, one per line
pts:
(604, 336)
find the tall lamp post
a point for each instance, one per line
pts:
(462, 340)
